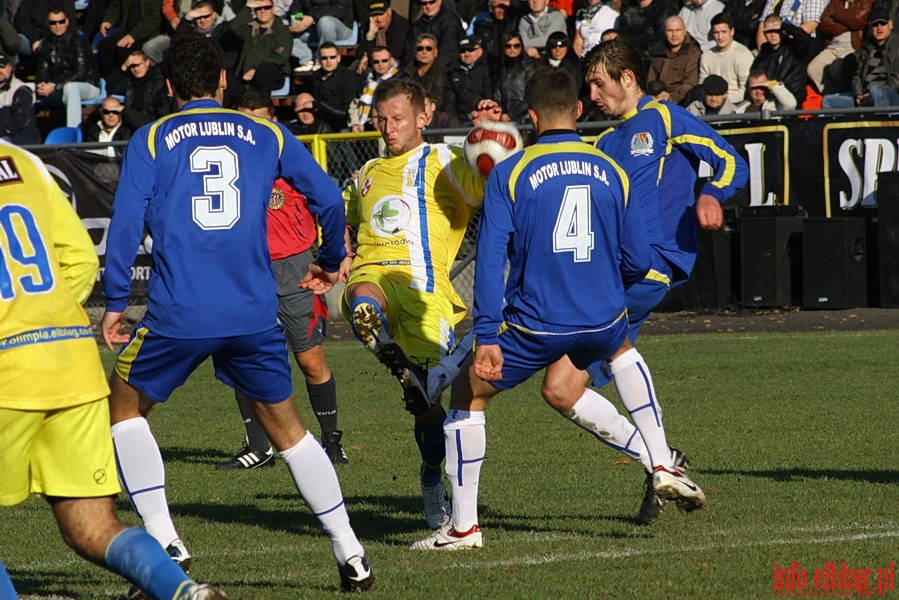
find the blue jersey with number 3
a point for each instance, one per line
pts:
(199, 182)
(559, 213)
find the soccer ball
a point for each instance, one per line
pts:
(487, 144)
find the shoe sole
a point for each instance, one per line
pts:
(368, 326)
(687, 499)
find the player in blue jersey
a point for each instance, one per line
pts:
(660, 146)
(54, 417)
(199, 182)
(559, 213)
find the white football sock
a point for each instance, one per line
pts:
(442, 375)
(143, 476)
(634, 383)
(314, 476)
(597, 415)
(466, 442)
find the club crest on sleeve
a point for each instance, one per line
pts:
(642, 144)
(277, 199)
(366, 185)
(8, 171)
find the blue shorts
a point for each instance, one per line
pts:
(255, 365)
(527, 353)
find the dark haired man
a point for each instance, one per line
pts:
(67, 70)
(658, 144)
(212, 262)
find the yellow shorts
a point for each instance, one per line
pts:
(65, 453)
(421, 323)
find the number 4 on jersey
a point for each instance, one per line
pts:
(572, 232)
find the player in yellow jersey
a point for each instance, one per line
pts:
(410, 211)
(55, 438)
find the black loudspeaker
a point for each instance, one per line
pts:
(888, 238)
(834, 263)
(711, 284)
(770, 261)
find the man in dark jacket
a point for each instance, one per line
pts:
(876, 78)
(443, 24)
(468, 83)
(126, 25)
(385, 28)
(109, 128)
(66, 68)
(334, 87)
(264, 59)
(779, 61)
(31, 20)
(146, 97)
(326, 20)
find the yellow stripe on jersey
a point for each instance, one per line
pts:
(656, 276)
(538, 150)
(151, 136)
(506, 325)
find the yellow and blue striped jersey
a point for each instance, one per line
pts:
(48, 266)
(411, 212)
(660, 146)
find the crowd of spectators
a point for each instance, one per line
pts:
(770, 54)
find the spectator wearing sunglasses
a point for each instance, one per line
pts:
(334, 87)
(264, 60)
(502, 19)
(205, 19)
(443, 24)
(30, 21)
(66, 68)
(517, 69)
(469, 82)
(427, 70)
(383, 67)
(109, 128)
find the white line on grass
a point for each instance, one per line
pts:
(628, 553)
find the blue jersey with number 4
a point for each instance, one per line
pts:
(199, 182)
(559, 213)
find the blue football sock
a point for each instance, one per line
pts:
(139, 558)
(432, 447)
(7, 591)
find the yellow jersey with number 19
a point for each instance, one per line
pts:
(411, 212)
(48, 266)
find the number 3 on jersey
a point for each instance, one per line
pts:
(219, 206)
(572, 232)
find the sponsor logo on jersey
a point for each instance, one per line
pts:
(366, 185)
(641, 144)
(390, 216)
(277, 199)
(8, 171)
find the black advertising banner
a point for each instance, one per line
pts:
(818, 166)
(89, 182)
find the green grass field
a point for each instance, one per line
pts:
(792, 436)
